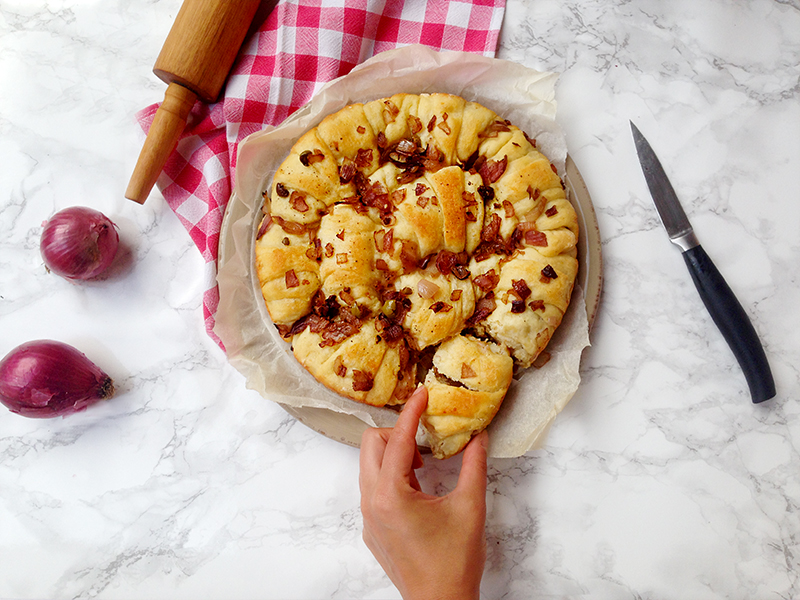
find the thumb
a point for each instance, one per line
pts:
(472, 479)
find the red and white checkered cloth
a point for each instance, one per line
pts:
(302, 45)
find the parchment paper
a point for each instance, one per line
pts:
(253, 345)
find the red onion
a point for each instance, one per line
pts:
(44, 378)
(427, 289)
(79, 243)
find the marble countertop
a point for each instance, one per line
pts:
(659, 480)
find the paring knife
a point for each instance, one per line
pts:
(720, 301)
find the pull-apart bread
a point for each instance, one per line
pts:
(418, 238)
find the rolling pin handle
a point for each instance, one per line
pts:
(165, 131)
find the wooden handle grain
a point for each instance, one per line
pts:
(168, 125)
(195, 61)
(203, 43)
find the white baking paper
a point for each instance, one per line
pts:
(521, 95)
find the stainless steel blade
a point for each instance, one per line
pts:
(667, 204)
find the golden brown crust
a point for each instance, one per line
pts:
(400, 227)
(468, 382)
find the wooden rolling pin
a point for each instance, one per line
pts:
(195, 61)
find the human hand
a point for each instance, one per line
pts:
(430, 547)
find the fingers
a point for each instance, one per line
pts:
(401, 450)
(472, 479)
(373, 446)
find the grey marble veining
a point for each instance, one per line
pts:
(659, 480)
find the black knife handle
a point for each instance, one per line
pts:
(733, 322)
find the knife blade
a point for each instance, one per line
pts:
(718, 298)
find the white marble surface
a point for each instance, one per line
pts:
(659, 480)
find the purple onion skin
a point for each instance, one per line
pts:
(79, 243)
(45, 378)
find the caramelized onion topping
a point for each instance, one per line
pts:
(362, 381)
(549, 272)
(492, 170)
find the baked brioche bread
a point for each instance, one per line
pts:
(418, 238)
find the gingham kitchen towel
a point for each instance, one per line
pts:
(301, 45)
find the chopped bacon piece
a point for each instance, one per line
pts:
(409, 175)
(455, 295)
(408, 256)
(281, 190)
(537, 305)
(483, 308)
(361, 129)
(329, 250)
(431, 123)
(517, 306)
(338, 331)
(433, 159)
(347, 170)
(422, 201)
(487, 281)
(298, 202)
(341, 258)
(291, 279)
(521, 288)
(420, 189)
(445, 261)
(534, 237)
(509, 208)
(340, 235)
(362, 381)
(549, 273)
(388, 241)
(491, 229)
(397, 197)
(552, 211)
(363, 158)
(467, 372)
(492, 170)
